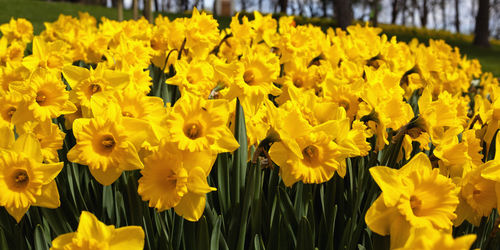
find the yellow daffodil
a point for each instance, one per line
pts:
(491, 169)
(108, 144)
(17, 29)
(415, 196)
(431, 239)
(93, 234)
(317, 162)
(202, 33)
(48, 55)
(195, 77)
(84, 82)
(254, 81)
(45, 97)
(197, 124)
(49, 136)
(176, 178)
(24, 180)
(477, 197)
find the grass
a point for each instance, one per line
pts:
(39, 12)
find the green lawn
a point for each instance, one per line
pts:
(39, 12)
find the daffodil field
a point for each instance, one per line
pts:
(264, 135)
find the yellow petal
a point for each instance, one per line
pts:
(204, 159)
(138, 131)
(116, 78)
(7, 136)
(106, 177)
(130, 238)
(130, 160)
(74, 155)
(62, 240)
(197, 182)
(75, 75)
(379, 217)
(400, 231)
(17, 213)
(491, 171)
(68, 108)
(389, 182)
(419, 162)
(226, 143)
(49, 197)
(50, 171)
(191, 206)
(30, 146)
(78, 124)
(91, 228)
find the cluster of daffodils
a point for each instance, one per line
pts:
(310, 100)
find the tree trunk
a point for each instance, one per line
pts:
(148, 14)
(343, 12)
(283, 6)
(324, 6)
(443, 13)
(481, 31)
(119, 6)
(424, 14)
(403, 7)
(243, 5)
(214, 11)
(395, 11)
(135, 8)
(374, 12)
(157, 6)
(457, 16)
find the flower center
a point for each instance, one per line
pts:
(21, 179)
(190, 79)
(415, 204)
(11, 111)
(192, 131)
(108, 142)
(298, 82)
(127, 114)
(310, 153)
(249, 77)
(345, 104)
(476, 192)
(41, 98)
(94, 88)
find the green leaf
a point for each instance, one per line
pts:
(203, 240)
(40, 242)
(3, 240)
(305, 238)
(258, 243)
(216, 234)
(223, 188)
(240, 155)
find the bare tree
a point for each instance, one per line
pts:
(343, 12)
(395, 11)
(147, 12)
(119, 6)
(481, 31)
(443, 13)
(424, 13)
(324, 6)
(135, 7)
(403, 9)
(374, 6)
(283, 5)
(457, 16)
